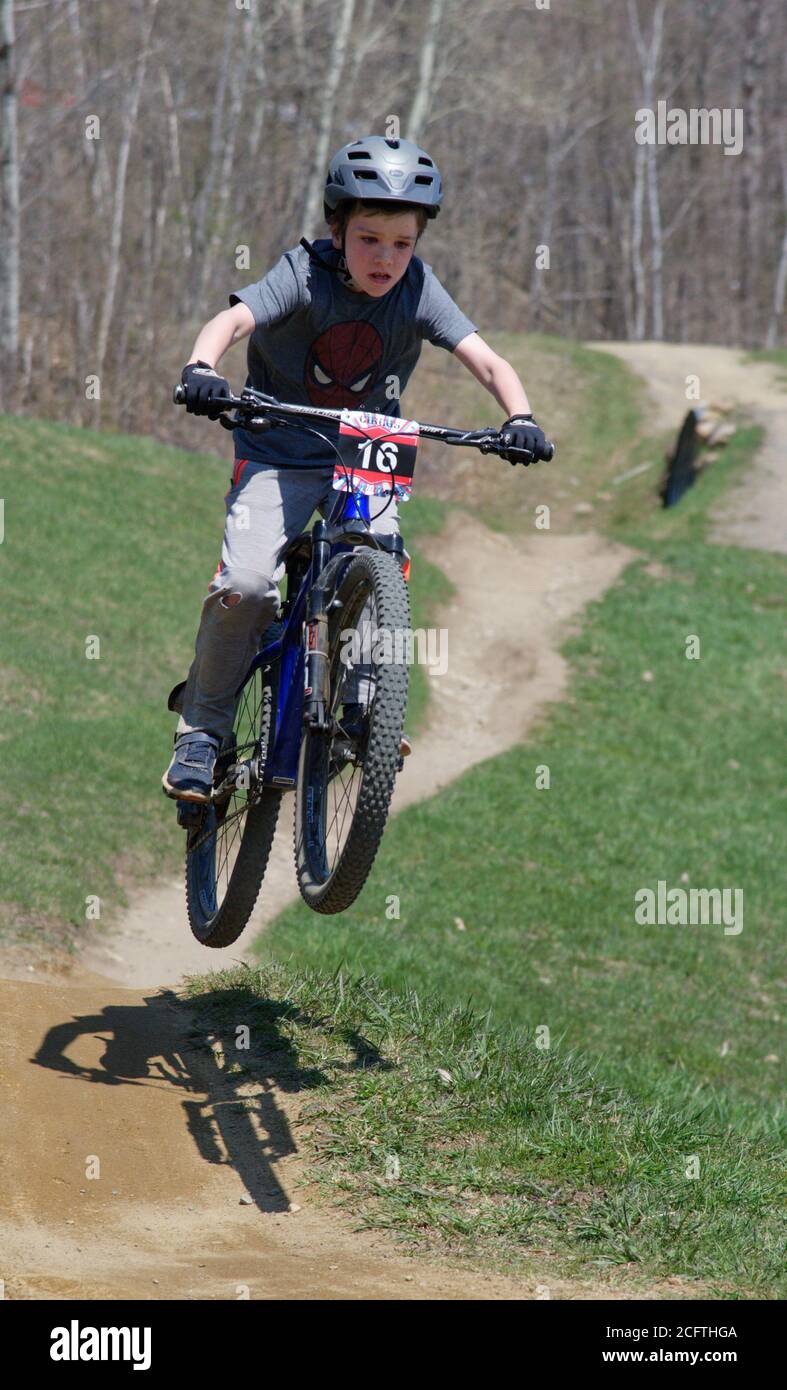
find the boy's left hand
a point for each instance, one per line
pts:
(521, 432)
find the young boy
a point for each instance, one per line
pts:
(334, 325)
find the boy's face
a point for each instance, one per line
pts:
(379, 249)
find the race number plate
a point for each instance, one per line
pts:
(374, 449)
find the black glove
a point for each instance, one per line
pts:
(203, 383)
(521, 432)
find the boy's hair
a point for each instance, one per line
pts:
(341, 214)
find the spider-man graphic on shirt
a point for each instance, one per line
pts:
(342, 365)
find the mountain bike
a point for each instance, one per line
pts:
(345, 609)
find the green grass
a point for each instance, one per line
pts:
(649, 779)
(589, 402)
(469, 1141)
(99, 544)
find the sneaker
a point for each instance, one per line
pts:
(189, 776)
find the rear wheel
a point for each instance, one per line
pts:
(229, 841)
(345, 783)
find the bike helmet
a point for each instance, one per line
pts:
(383, 171)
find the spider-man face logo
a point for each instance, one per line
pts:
(343, 364)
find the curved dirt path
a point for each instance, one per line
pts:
(753, 513)
(195, 1192)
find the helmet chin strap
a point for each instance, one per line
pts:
(342, 269)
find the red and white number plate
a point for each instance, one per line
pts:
(374, 449)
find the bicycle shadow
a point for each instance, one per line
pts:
(226, 1049)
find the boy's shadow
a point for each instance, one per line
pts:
(193, 1044)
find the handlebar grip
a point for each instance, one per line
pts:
(548, 451)
(179, 394)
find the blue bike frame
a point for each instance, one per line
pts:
(286, 654)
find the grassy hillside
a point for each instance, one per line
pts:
(588, 402)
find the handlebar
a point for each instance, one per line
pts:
(258, 413)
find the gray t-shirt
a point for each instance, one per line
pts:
(316, 342)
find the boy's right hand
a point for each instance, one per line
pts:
(202, 383)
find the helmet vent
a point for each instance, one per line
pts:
(392, 144)
(424, 159)
(358, 154)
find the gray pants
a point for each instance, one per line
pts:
(265, 508)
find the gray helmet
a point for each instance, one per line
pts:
(387, 171)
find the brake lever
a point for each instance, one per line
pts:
(256, 424)
(528, 456)
(523, 456)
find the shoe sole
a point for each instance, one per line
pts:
(202, 797)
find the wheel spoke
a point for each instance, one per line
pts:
(335, 782)
(221, 840)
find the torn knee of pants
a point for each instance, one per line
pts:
(231, 600)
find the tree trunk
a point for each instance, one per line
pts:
(756, 21)
(777, 310)
(419, 111)
(219, 218)
(9, 198)
(93, 149)
(648, 52)
(637, 266)
(312, 207)
(119, 196)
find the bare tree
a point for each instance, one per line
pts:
(756, 21)
(119, 192)
(648, 51)
(9, 189)
(225, 165)
(312, 205)
(93, 149)
(419, 111)
(776, 320)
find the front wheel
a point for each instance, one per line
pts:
(345, 781)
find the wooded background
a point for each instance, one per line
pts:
(215, 121)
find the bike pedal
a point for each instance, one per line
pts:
(189, 814)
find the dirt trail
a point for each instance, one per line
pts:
(98, 1067)
(753, 513)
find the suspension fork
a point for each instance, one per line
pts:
(317, 689)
